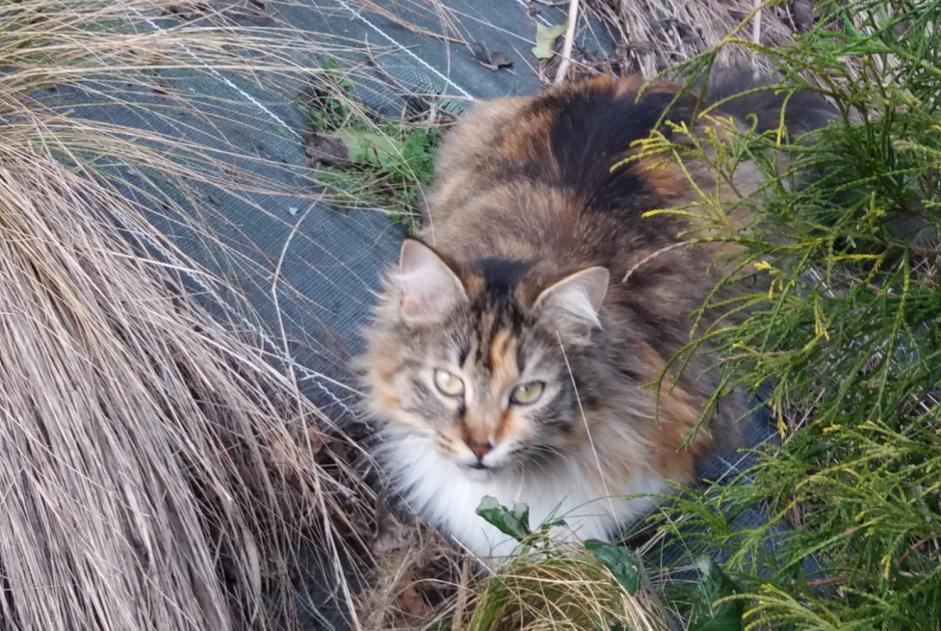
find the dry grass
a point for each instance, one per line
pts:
(159, 469)
(649, 35)
(418, 578)
(425, 583)
(567, 595)
(566, 588)
(652, 35)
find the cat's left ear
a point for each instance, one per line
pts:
(572, 304)
(430, 288)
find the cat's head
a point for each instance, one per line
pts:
(471, 361)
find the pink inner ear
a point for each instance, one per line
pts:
(430, 289)
(577, 298)
(423, 308)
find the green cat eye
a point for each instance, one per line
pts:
(527, 393)
(449, 385)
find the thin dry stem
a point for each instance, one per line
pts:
(568, 42)
(655, 34)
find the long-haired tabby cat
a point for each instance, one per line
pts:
(506, 356)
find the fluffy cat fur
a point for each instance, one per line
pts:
(516, 278)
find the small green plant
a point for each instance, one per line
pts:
(368, 161)
(548, 584)
(844, 329)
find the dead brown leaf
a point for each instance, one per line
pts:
(323, 149)
(493, 61)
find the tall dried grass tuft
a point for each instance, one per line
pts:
(652, 35)
(648, 36)
(157, 469)
(570, 590)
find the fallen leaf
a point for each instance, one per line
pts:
(326, 150)
(545, 40)
(390, 534)
(714, 584)
(622, 562)
(490, 60)
(803, 14)
(316, 440)
(500, 61)
(369, 147)
(412, 601)
(510, 522)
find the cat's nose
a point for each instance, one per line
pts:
(480, 448)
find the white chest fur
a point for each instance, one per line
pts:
(446, 496)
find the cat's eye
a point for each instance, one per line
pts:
(527, 393)
(449, 385)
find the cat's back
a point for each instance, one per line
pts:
(529, 176)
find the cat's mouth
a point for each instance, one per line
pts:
(479, 471)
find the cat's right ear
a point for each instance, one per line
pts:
(572, 304)
(430, 288)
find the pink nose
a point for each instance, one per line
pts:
(479, 448)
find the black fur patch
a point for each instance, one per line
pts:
(803, 111)
(593, 130)
(495, 309)
(501, 276)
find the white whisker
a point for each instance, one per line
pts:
(591, 441)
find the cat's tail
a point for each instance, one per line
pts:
(803, 112)
(743, 94)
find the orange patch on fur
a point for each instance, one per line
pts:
(384, 367)
(503, 359)
(530, 140)
(389, 400)
(606, 82)
(472, 430)
(680, 412)
(504, 372)
(473, 285)
(633, 85)
(506, 423)
(498, 354)
(662, 178)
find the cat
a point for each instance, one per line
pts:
(509, 356)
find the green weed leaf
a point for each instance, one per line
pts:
(545, 40)
(622, 562)
(514, 523)
(495, 599)
(714, 584)
(370, 147)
